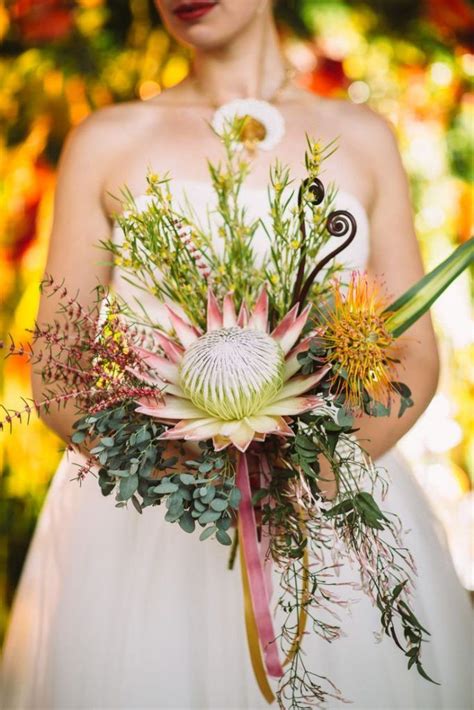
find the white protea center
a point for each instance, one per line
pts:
(231, 373)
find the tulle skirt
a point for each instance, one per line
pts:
(117, 610)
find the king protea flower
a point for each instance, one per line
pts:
(234, 383)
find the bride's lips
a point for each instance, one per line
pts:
(189, 11)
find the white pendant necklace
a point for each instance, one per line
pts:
(263, 125)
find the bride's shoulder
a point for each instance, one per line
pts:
(109, 122)
(357, 124)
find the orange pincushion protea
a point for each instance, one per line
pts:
(359, 344)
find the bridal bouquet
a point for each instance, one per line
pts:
(222, 412)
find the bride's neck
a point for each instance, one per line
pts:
(251, 65)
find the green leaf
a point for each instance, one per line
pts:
(424, 674)
(187, 522)
(376, 409)
(187, 478)
(174, 499)
(223, 523)
(341, 508)
(223, 537)
(219, 504)
(136, 504)
(402, 389)
(405, 404)
(418, 299)
(192, 464)
(107, 441)
(259, 495)
(200, 506)
(365, 498)
(209, 516)
(143, 435)
(207, 532)
(173, 515)
(303, 441)
(166, 487)
(234, 498)
(128, 486)
(210, 495)
(78, 437)
(344, 418)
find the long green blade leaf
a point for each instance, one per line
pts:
(419, 298)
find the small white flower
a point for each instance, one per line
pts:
(269, 116)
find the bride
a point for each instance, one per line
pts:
(116, 610)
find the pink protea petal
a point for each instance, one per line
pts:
(171, 408)
(229, 316)
(185, 426)
(150, 379)
(283, 427)
(292, 364)
(164, 368)
(241, 436)
(196, 430)
(243, 318)
(263, 424)
(220, 442)
(214, 315)
(172, 349)
(285, 323)
(186, 332)
(288, 337)
(259, 317)
(298, 385)
(292, 405)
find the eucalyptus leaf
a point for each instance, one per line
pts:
(209, 516)
(166, 487)
(207, 532)
(128, 486)
(172, 516)
(223, 537)
(219, 504)
(187, 522)
(234, 497)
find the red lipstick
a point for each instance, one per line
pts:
(190, 11)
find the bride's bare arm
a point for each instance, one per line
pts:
(79, 223)
(395, 259)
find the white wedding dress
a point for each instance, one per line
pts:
(117, 610)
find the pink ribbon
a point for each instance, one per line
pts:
(258, 584)
(265, 536)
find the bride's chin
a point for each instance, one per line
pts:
(213, 31)
(205, 37)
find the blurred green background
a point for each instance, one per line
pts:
(410, 60)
